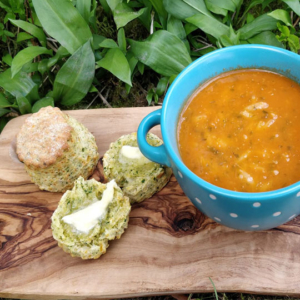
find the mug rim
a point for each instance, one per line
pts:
(295, 187)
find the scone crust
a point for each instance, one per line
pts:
(95, 243)
(138, 182)
(43, 137)
(78, 155)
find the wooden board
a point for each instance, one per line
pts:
(169, 246)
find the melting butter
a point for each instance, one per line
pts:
(134, 153)
(86, 219)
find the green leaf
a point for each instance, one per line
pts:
(283, 29)
(116, 63)
(108, 43)
(182, 9)
(8, 16)
(294, 5)
(19, 86)
(211, 5)
(36, 20)
(132, 61)
(266, 38)
(24, 105)
(97, 39)
(172, 78)
(30, 67)
(122, 40)
(105, 7)
(250, 18)
(3, 111)
(43, 66)
(32, 29)
(252, 4)
(132, 64)
(224, 4)
(62, 21)
(113, 4)
(162, 86)
(141, 67)
(159, 7)
(164, 52)
(293, 42)
(8, 33)
(37, 78)
(266, 3)
(145, 18)
(231, 39)
(92, 17)
(7, 59)
(61, 52)
(189, 28)
(74, 79)
(281, 15)
(44, 102)
(93, 89)
(23, 36)
(150, 96)
(209, 25)
(25, 56)
(175, 26)
(123, 14)
(4, 102)
(84, 8)
(260, 24)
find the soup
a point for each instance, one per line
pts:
(241, 131)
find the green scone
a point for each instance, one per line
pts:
(89, 216)
(138, 177)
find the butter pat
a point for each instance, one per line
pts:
(86, 219)
(134, 153)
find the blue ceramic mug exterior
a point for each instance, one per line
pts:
(244, 211)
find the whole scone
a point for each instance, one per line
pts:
(56, 149)
(88, 216)
(138, 177)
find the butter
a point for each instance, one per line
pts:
(86, 219)
(134, 153)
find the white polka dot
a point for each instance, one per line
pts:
(217, 219)
(256, 204)
(292, 217)
(198, 200)
(180, 175)
(213, 197)
(278, 213)
(298, 195)
(255, 226)
(233, 215)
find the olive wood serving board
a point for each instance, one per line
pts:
(169, 247)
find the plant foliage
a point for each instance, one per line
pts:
(56, 52)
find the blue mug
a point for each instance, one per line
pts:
(239, 210)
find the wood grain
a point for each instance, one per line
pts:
(169, 247)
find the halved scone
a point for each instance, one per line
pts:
(89, 216)
(138, 177)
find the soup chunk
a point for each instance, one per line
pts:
(241, 131)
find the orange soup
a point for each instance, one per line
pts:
(241, 131)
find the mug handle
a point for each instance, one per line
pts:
(156, 154)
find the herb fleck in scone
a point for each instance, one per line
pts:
(88, 216)
(138, 177)
(56, 149)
